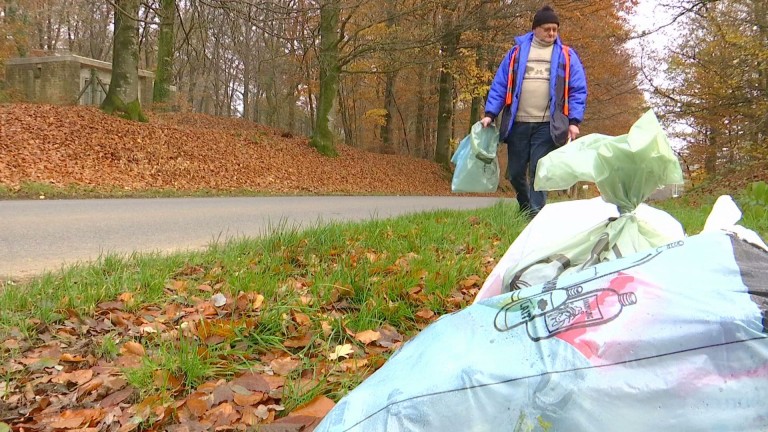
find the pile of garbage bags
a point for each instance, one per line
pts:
(602, 315)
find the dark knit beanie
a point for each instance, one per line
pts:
(545, 15)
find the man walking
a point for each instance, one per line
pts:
(540, 90)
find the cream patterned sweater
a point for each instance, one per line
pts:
(534, 94)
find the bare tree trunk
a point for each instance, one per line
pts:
(445, 101)
(421, 132)
(388, 128)
(323, 136)
(710, 158)
(161, 92)
(345, 115)
(123, 95)
(247, 88)
(477, 101)
(388, 145)
(292, 109)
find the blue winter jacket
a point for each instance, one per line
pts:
(577, 99)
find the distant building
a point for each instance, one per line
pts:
(66, 80)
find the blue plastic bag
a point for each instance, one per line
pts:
(477, 166)
(670, 339)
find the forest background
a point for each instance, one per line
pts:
(409, 77)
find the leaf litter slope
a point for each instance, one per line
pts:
(185, 151)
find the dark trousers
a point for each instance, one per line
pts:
(526, 144)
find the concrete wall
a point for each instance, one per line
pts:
(666, 192)
(60, 79)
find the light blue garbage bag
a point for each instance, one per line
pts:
(477, 166)
(669, 339)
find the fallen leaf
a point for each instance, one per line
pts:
(126, 298)
(353, 364)
(115, 398)
(43, 363)
(249, 399)
(248, 416)
(301, 319)
(134, 348)
(341, 351)
(165, 380)
(389, 337)
(284, 366)
(317, 407)
(91, 386)
(327, 328)
(112, 305)
(368, 336)
(66, 357)
(470, 281)
(78, 377)
(67, 423)
(223, 415)
(11, 344)
(292, 423)
(425, 314)
(219, 300)
(198, 403)
(252, 382)
(298, 341)
(275, 382)
(262, 412)
(222, 393)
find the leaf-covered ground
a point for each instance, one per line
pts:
(91, 373)
(78, 145)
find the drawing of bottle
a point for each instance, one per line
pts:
(586, 310)
(524, 306)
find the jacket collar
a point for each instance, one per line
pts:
(527, 39)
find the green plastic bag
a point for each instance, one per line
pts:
(477, 166)
(626, 169)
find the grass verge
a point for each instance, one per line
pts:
(252, 328)
(311, 312)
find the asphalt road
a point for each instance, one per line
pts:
(36, 236)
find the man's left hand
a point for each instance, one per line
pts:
(573, 132)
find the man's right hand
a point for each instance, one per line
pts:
(486, 121)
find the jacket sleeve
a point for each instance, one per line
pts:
(497, 94)
(577, 99)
